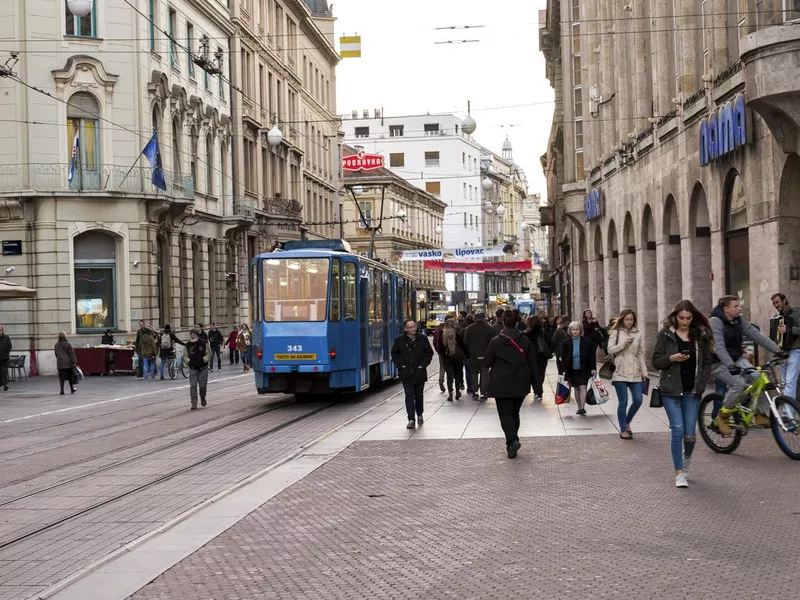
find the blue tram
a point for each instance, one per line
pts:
(324, 319)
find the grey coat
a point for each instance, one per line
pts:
(65, 355)
(670, 383)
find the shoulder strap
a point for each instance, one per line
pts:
(516, 345)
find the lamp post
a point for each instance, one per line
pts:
(274, 136)
(80, 8)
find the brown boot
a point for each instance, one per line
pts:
(763, 420)
(722, 423)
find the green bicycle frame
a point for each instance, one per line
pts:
(754, 392)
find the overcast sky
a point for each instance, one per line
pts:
(403, 71)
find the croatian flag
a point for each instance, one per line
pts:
(75, 145)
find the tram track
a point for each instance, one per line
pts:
(228, 449)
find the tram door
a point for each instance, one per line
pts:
(363, 323)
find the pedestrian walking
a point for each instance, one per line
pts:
(452, 346)
(66, 362)
(233, 350)
(498, 320)
(437, 336)
(201, 331)
(166, 347)
(579, 363)
(215, 340)
(461, 328)
(560, 336)
(137, 347)
(244, 341)
(5, 356)
(789, 332)
(477, 338)
(541, 349)
(512, 369)
(591, 329)
(683, 356)
(411, 354)
(627, 347)
(199, 353)
(147, 345)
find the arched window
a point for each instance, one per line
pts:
(176, 147)
(83, 137)
(95, 266)
(156, 118)
(210, 165)
(737, 242)
(223, 170)
(194, 139)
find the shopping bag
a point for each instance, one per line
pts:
(78, 373)
(601, 392)
(590, 399)
(562, 390)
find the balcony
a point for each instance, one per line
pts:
(283, 207)
(243, 207)
(53, 177)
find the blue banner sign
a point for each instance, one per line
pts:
(724, 131)
(591, 205)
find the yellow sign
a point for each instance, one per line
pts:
(350, 46)
(295, 357)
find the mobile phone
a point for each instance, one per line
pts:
(689, 352)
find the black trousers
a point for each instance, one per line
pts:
(215, 351)
(480, 373)
(414, 404)
(508, 410)
(65, 375)
(234, 354)
(3, 372)
(455, 372)
(538, 380)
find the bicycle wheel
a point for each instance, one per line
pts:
(724, 444)
(171, 368)
(788, 441)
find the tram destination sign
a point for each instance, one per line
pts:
(363, 162)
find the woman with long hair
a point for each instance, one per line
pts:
(579, 363)
(540, 347)
(626, 345)
(65, 362)
(452, 346)
(683, 355)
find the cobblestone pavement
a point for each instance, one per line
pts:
(573, 517)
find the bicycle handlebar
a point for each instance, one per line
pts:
(767, 365)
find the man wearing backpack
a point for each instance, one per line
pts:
(166, 345)
(215, 339)
(477, 338)
(199, 356)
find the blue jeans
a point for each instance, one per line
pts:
(790, 370)
(625, 415)
(149, 367)
(682, 413)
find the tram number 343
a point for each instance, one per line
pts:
(297, 348)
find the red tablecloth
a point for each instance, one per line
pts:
(95, 361)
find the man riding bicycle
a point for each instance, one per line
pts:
(728, 361)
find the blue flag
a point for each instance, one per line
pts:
(153, 155)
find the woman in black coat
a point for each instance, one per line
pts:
(512, 365)
(579, 361)
(540, 347)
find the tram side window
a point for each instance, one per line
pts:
(255, 302)
(336, 291)
(373, 292)
(350, 289)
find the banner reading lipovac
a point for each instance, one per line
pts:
(442, 253)
(483, 267)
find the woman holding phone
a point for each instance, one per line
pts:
(627, 347)
(683, 355)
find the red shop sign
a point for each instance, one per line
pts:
(363, 162)
(481, 267)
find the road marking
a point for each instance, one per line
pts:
(161, 391)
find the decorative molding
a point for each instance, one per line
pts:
(84, 73)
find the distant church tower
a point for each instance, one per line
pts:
(508, 150)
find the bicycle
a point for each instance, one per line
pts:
(177, 364)
(784, 414)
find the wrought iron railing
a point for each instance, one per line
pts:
(54, 177)
(732, 70)
(666, 118)
(694, 98)
(283, 206)
(243, 207)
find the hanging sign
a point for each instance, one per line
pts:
(478, 267)
(444, 253)
(724, 131)
(591, 205)
(362, 162)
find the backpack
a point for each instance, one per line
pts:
(166, 341)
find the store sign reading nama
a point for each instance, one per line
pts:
(724, 131)
(591, 205)
(362, 162)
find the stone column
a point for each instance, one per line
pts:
(642, 67)
(622, 58)
(664, 56)
(688, 23)
(719, 20)
(607, 74)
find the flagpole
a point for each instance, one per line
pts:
(138, 156)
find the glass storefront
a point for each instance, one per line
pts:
(95, 281)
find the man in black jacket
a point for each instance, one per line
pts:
(5, 356)
(199, 355)
(215, 339)
(412, 353)
(477, 338)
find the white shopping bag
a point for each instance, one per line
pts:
(600, 388)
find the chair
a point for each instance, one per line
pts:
(16, 367)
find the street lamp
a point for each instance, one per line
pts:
(401, 214)
(487, 184)
(469, 125)
(500, 210)
(274, 136)
(438, 229)
(80, 8)
(357, 190)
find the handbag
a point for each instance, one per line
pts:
(543, 348)
(655, 398)
(645, 386)
(609, 364)
(562, 391)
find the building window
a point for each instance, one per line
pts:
(474, 165)
(432, 159)
(737, 243)
(223, 171)
(791, 10)
(176, 147)
(194, 140)
(152, 24)
(396, 130)
(94, 273)
(190, 46)
(579, 168)
(209, 165)
(366, 210)
(173, 31)
(434, 188)
(83, 139)
(431, 129)
(82, 26)
(463, 160)
(205, 73)
(465, 190)
(397, 159)
(220, 76)
(362, 132)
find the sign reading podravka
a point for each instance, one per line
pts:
(482, 267)
(362, 162)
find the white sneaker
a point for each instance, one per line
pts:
(680, 481)
(687, 462)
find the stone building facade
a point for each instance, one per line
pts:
(673, 160)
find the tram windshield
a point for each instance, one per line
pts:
(295, 289)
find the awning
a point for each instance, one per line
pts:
(9, 290)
